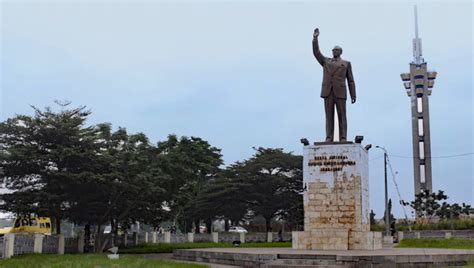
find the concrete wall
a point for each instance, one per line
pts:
(141, 238)
(255, 237)
(463, 234)
(50, 244)
(160, 237)
(23, 244)
(1, 247)
(71, 245)
(179, 238)
(229, 237)
(58, 244)
(285, 236)
(202, 238)
(18, 244)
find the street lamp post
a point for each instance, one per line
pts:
(387, 213)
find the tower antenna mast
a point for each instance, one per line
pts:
(417, 53)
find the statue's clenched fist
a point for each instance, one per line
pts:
(316, 33)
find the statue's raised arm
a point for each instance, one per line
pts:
(317, 53)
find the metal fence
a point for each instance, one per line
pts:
(23, 244)
(462, 234)
(17, 244)
(1, 247)
(71, 244)
(50, 244)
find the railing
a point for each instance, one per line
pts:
(463, 234)
(17, 244)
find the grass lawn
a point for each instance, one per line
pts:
(168, 248)
(86, 261)
(452, 243)
(436, 243)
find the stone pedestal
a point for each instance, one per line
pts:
(336, 199)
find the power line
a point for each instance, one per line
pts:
(375, 158)
(398, 191)
(410, 157)
(443, 156)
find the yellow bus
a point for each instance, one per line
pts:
(32, 225)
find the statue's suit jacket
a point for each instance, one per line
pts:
(335, 73)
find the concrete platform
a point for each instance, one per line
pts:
(169, 257)
(286, 257)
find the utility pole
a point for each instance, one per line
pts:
(387, 213)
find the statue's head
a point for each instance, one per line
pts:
(337, 51)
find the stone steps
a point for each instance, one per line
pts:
(308, 266)
(387, 242)
(285, 257)
(290, 263)
(280, 263)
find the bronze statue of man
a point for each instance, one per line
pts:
(333, 90)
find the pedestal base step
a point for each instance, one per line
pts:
(286, 257)
(336, 239)
(387, 242)
(284, 263)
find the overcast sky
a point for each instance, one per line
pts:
(242, 74)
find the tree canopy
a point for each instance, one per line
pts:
(55, 165)
(428, 205)
(42, 158)
(268, 184)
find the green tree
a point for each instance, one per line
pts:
(190, 163)
(56, 166)
(127, 188)
(42, 158)
(270, 182)
(426, 204)
(139, 181)
(452, 211)
(223, 198)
